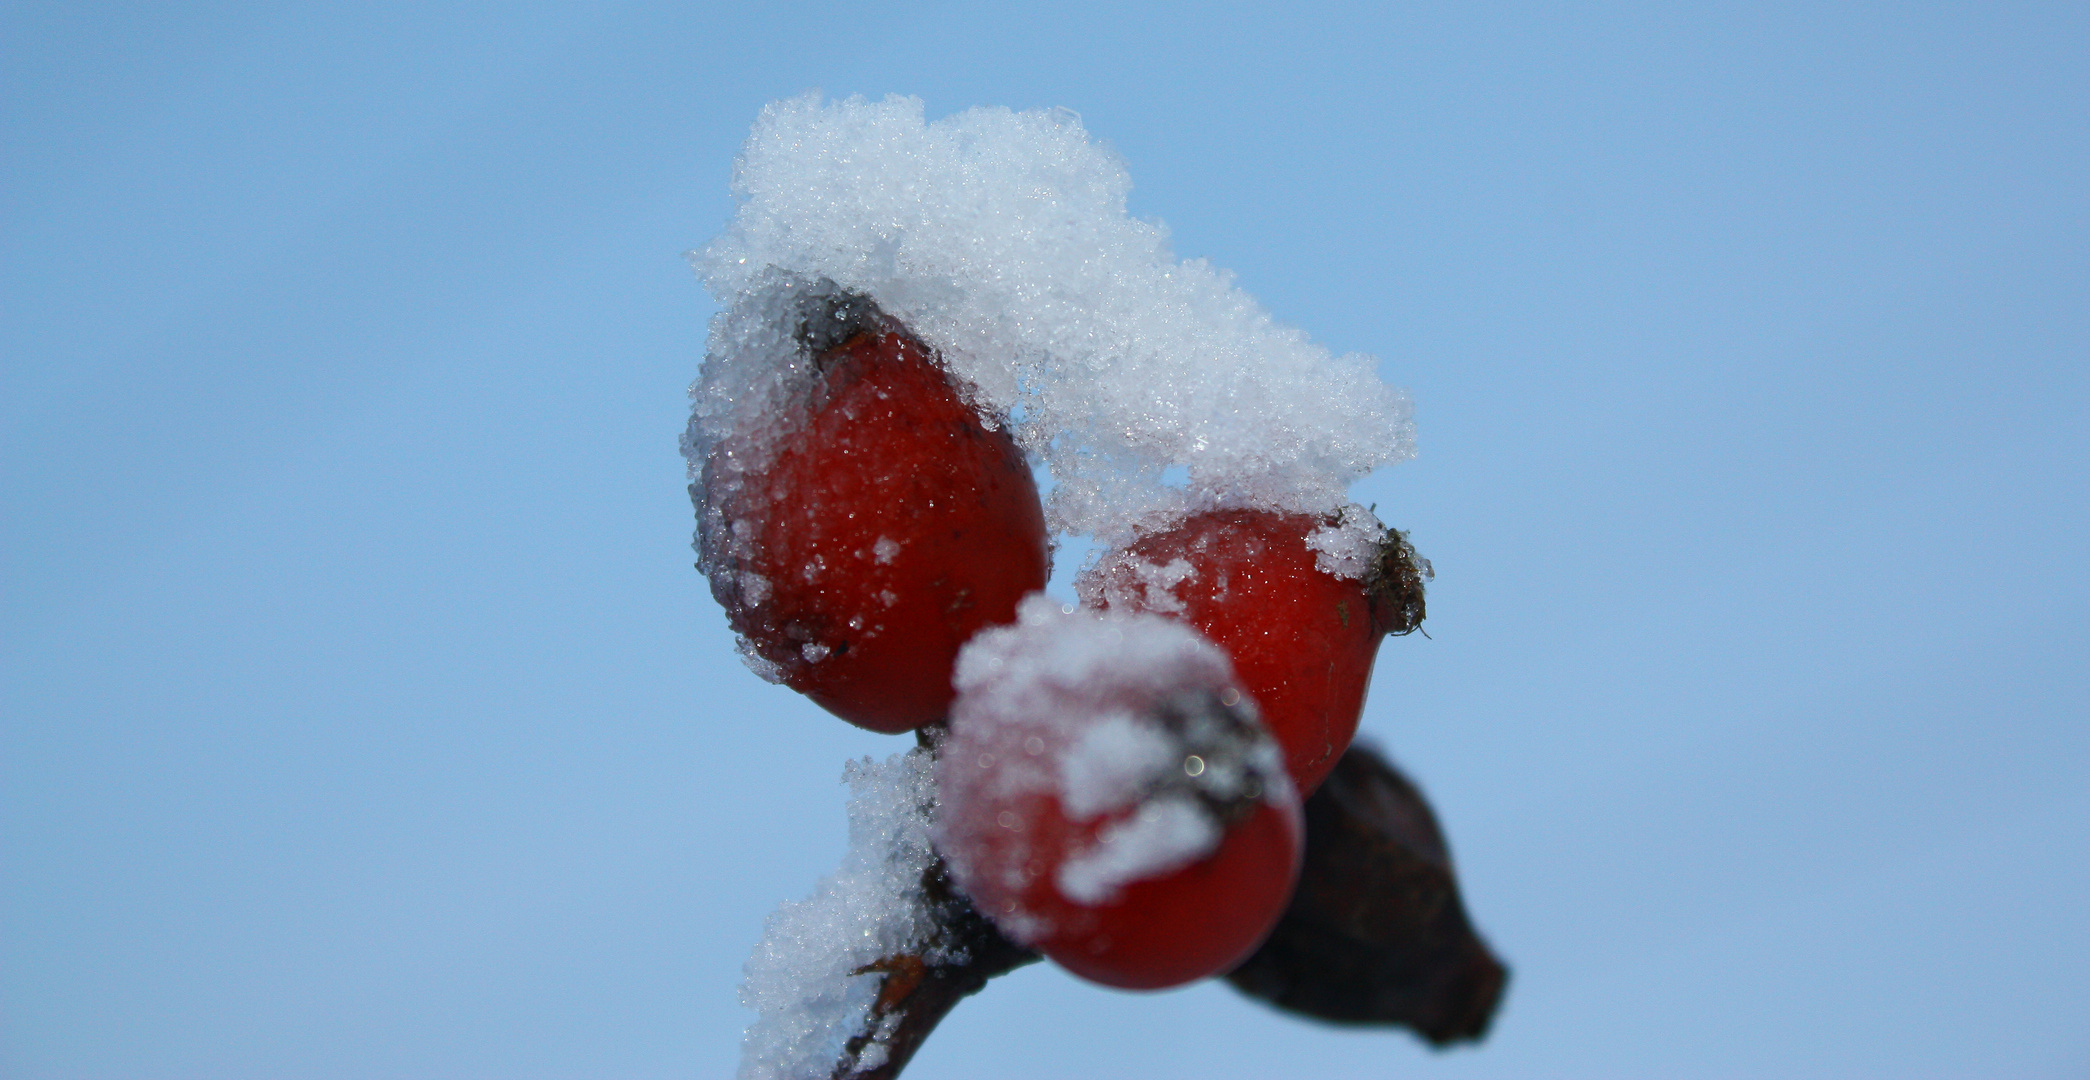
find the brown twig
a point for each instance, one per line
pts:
(919, 989)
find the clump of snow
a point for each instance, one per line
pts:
(802, 980)
(1111, 762)
(761, 665)
(1349, 546)
(1129, 726)
(1002, 240)
(1073, 682)
(1148, 585)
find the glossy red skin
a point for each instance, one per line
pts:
(891, 451)
(1193, 923)
(1303, 641)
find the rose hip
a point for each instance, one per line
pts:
(1303, 639)
(880, 526)
(1108, 798)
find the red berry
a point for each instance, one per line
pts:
(1108, 798)
(855, 553)
(1302, 639)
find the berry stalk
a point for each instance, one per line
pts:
(918, 989)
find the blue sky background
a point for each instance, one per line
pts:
(361, 714)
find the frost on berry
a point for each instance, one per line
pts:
(752, 394)
(1166, 831)
(1298, 601)
(1347, 542)
(1090, 752)
(857, 516)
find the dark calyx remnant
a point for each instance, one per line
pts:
(829, 316)
(1395, 585)
(1376, 933)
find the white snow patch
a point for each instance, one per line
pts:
(1162, 835)
(799, 980)
(1054, 664)
(1135, 584)
(1350, 546)
(1110, 763)
(1001, 238)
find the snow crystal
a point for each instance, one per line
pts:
(1145, 384)
(1133, 583)
(802, 980)
(761, 665)
(1349, 547)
